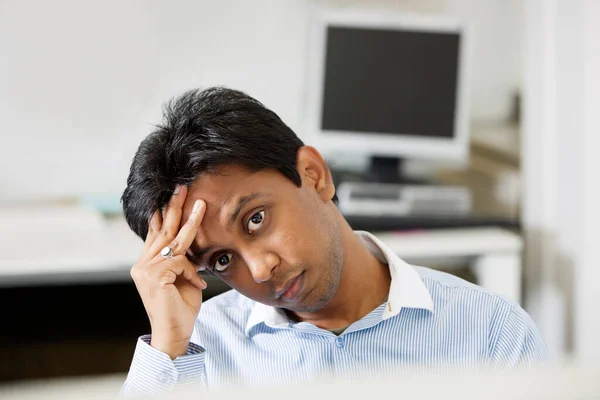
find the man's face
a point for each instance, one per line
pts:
(272, 241)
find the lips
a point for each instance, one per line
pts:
(291, 288)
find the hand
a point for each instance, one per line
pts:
(170, 288)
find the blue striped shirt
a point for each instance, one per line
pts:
(430, 320)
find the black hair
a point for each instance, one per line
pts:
(201, 130)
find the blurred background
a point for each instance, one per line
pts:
(462, 132)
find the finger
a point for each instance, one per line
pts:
(171, 218)
(189, 230)
(153, 229)
(181, 266)
(172, 215)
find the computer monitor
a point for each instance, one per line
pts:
(389, 86)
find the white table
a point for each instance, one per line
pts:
(75, 245)
(55, 245)
(569, 380)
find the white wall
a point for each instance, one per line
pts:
(587, 317)
(81, 83)
(560, 214)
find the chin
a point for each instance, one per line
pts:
(320, 295)
(312, 303)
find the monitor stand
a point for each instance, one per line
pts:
(384, 169)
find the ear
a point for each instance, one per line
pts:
(314, 172)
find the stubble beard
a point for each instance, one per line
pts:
(329, 284)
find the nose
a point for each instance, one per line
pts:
(261, 264)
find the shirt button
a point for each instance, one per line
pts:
(165, 378)
(340, 342)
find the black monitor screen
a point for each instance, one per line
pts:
(390, 81)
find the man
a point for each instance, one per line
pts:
(224, 186)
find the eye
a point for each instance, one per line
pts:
(255, 222)
(223, 262)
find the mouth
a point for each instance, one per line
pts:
(290, 290)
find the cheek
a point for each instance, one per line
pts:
(293, 238)
(245, 284)
(311, 232)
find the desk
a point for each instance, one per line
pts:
(570, 380)
(99, 254)
(106, 252)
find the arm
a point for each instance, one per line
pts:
(153, 372)
(171, 291)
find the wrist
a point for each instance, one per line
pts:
(172, 348)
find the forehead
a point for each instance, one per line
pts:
(230, 183)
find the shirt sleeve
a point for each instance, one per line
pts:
(519, 343)
(152, 372)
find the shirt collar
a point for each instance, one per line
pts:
(406, 289)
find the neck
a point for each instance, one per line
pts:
(364, 284)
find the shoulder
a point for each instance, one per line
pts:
(445, 283)
(457, 300)
(511, 335)
(457, 296)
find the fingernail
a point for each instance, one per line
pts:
(177, 189)
(196, 206)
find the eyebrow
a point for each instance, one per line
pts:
(199, 253)
(242, 202)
